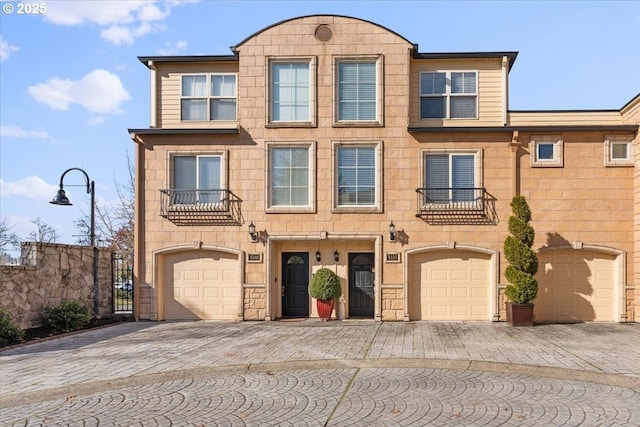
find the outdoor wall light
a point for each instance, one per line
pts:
(253, 233)
(393, 236)
(318, 257)
(336, 256)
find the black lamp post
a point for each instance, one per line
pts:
(62, 200)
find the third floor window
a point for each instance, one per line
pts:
(449, 95)
(206, 97)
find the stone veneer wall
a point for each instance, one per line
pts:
(392, 303)
(254, 302)
(51, 273)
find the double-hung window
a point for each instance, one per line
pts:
(451, 179)
(289, 177)
(290, 91)
(357, 176)
(209, 97)
(358, 91)
(197, 179)
(448, 95)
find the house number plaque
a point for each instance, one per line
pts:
(393, 257)
(254, 258)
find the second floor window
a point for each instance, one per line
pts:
(209, 97)
(198, 179)
(290, 92)
(449, 95)
(289, 176)
(449, 177)
(357, 91)
(357, 176)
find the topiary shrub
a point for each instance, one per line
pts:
(10, 333)
(325, 285)
(70, 315)
(523, 261)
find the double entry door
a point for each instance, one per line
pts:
(295, 282)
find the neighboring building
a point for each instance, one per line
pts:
(323, 131)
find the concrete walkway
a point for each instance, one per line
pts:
(337, 373)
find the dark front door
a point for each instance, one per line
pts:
(361, 285)
(295, 279)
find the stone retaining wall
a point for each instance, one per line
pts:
(51, 273)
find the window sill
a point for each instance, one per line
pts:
(356, 209)
(277, 125)
(363, 124)
(290, 209)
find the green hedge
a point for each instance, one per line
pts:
(10, 333)
(68, 316)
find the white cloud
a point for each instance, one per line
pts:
(174, 49)
(18, 132)
(120, 21)
(31, 187)
(99, 92)
(94, 121)
(6, 49)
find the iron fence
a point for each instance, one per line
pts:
(122, 267)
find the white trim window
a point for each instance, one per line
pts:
(209, 97)
(618, 150)
(290, 91)
(452, 179)
(547, 151)
(290, 185)
(357, 176)
(358, 90)
(197, 179)
(449, 95)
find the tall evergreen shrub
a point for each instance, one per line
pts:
(523, 262)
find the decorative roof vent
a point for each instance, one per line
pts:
(324, 33)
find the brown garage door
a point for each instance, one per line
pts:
(201, 285)
(449, 285)
(574, 286)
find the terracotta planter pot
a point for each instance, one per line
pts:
(520, 314)
(325, 307)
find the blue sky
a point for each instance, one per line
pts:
(71, 84)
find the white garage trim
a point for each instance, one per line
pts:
(619, 273)
(494, 265)
(159, 280)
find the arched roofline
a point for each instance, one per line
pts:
(235, 47)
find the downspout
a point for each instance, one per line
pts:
(138, 228)
(514, 145)
(154, 108)
(505, 89)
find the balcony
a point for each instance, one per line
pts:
(455, 206)
(201, 207)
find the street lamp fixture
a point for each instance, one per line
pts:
(61, 199)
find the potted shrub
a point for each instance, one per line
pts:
(325, 287)
(523, 265)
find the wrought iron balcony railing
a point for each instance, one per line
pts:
(200, 207)
(451, 201)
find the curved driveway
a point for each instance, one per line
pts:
(336, 373)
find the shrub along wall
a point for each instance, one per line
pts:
(51, 273)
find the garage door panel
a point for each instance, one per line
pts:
(204, 285)
(575, 285)
(449, 285)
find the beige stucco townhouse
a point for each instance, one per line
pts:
(330, 141)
